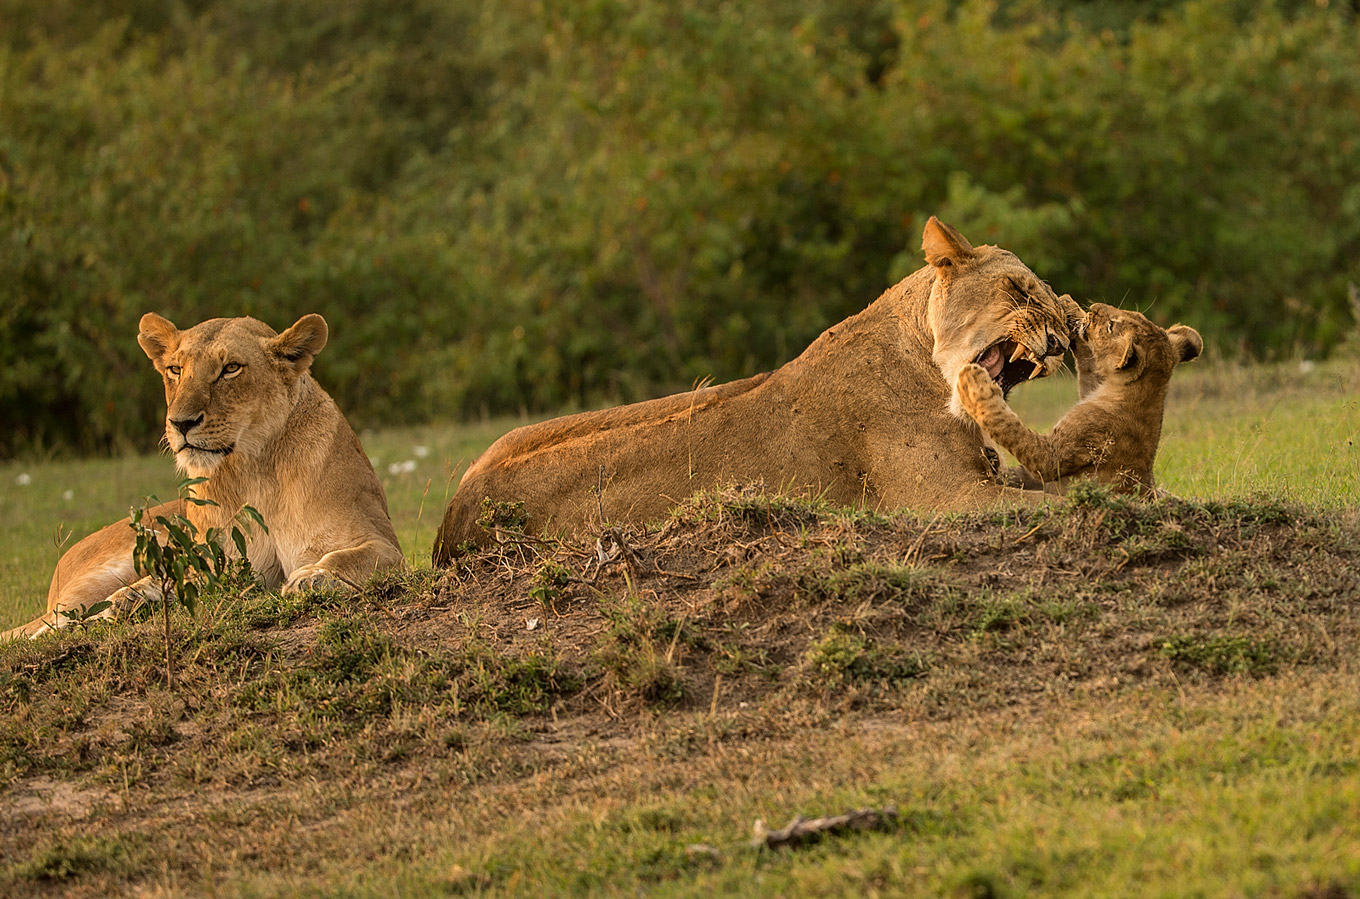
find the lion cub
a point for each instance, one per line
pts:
(1124, 363)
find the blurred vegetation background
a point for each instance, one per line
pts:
(507, 205)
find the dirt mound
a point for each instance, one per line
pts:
(741, 620)
(741, 596)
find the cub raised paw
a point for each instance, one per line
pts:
(976, 386)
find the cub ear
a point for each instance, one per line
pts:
(1071, 308)
(1185, 342)
(296, 347)
(945, 248)
(1129, 358)
(158, 337)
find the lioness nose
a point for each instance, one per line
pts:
(185, 425)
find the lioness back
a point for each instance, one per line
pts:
(523, 443)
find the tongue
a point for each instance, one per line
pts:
(992, 361)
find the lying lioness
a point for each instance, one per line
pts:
(244, 412)
(866, 415)
(1124, 363)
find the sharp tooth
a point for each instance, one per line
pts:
(1020, 350)
(1038, 370)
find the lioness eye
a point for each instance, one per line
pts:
(231, 368)
(173, 370)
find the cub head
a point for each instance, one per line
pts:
(987, 307)
(1127, 347)
(230, 384)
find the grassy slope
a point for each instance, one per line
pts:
(1183, 722)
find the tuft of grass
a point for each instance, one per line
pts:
(1221, 655)
(75, 858)
(841, 658)
(639, 654)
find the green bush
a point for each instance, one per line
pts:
(520, 205)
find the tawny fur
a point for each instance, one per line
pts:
(243, 411)
(1124, 363)
(865, 416)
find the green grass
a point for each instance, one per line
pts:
(1162, 797)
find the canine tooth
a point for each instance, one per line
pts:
(1038, 370)
(1020, 350)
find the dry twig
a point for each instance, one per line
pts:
(807, 830)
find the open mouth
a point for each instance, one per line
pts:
(1010, 363)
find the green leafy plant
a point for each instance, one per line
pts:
(549, 582)
(182, 562)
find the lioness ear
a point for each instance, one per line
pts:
(945, 247)
(1185, 342)
(158, 337)
(299, 344)
(1130, 355)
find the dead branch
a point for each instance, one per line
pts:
(808, 830)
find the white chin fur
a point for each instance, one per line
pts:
(956, 405)
(197, 463)
(949, 367)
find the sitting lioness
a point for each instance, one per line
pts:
(866, 415)
(1124, 363)
(244, 412)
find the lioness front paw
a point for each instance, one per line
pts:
(976, 386)
(127, 601)
(313, 577)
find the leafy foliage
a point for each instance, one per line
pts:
(182, 561)
(515, 205)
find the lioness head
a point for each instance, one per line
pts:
(1127, 346)
(230, 383)
(988, 308)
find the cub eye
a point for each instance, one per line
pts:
(173, 370)
(230, 369)
(1109, 327)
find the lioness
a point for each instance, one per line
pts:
(867, 414)
(243, 411)
(1124, 363)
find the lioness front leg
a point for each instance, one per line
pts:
(344, 569)
(982, 399)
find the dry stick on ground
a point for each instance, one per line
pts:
(806, 830)
(915, 550)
